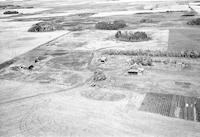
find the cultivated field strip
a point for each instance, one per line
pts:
(177, 106)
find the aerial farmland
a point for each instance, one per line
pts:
(91, 68)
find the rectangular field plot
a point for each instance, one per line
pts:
(177, 106)
(184, 39)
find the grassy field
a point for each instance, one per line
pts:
(184, 39)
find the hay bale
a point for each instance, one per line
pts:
(132, 37)
(99, 76)
(194, 22)
(115, 25)
(44, 27)
(11, 12)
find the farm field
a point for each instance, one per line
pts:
(181, 38)
(118, 68)
(172, 105)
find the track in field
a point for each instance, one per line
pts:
(177, 106)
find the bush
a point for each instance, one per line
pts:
(132, 37)
(119, 24)
(99, 76)
(115, 25)
(143, 60)
(11, 12)
(44, 27)
(194, 22)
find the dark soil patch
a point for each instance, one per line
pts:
(172, 105)
(6, 64)
(157, 103)
(72, 60)
(35, 54)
